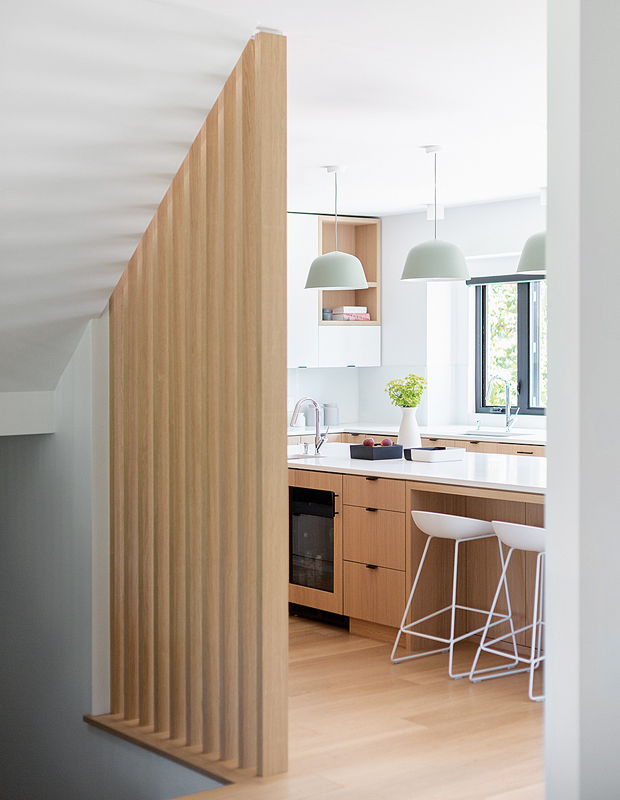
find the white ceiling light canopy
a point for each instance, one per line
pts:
(435, 260)
(533, 254)
(336, 270)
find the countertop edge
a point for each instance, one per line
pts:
(381, 470)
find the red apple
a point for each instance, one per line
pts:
(368, 442)
(386, 442)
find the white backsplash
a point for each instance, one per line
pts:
(328, 385)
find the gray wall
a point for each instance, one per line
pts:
(46, 751)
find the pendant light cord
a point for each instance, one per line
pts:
(336, 207)
(435, 154)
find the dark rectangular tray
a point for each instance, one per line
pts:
(376, 453)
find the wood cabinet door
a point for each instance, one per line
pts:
(376, 595)
(374, 536)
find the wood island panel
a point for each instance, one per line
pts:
(479, 562)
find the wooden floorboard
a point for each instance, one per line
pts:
(362, 728)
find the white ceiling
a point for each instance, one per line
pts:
(101, 100)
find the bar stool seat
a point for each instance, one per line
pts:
(517, 537)
(460, 530)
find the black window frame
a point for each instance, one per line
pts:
(523, 343)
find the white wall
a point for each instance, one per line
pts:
(46, 518)
(328, 385)
(26, 413)
(583, 587)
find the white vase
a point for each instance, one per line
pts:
(409, 433)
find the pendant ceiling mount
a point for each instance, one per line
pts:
(336, 270)
(435, 260)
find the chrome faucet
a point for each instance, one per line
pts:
(510, 418)
(318, 439)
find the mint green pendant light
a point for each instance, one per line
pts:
(533, 254)
(435, 260)
(336, 270)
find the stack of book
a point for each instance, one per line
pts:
(350, 314)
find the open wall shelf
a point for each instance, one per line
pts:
(361, 237)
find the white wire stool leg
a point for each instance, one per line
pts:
(537, 626)
(452, 640)
(535, 658)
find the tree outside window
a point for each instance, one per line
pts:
(511, 343)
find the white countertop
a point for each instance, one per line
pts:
(482, 470)
(465, 432)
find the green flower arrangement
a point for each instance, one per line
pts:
(408, 392)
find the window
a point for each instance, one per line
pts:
(511, 343)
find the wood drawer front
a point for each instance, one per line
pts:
(382, 493)
(477, 446)
(329, 481)
(375, 595)
(521, 449)
(374, 537)
(433, 441)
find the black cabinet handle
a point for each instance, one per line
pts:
(371, 566)
(372, 479)
(372, 509)
(433, 440)
(473, 442)
(525, 452)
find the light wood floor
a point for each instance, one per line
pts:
(362, 728)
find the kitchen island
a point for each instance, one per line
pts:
(377, 546)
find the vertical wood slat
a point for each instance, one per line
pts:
(232, 224)
(132, 555)
(161, 318)
(199, 508)
(146, 264)
(212, 455)
(196, 262)
(117, 500)
(272, 567)
(250, 422)
(178, 521)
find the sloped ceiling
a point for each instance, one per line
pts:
(100, 102)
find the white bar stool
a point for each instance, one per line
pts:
(518, 537)
(460, 529)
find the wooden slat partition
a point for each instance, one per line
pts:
(199, 489)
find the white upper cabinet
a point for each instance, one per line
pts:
(344, 346)
(302, 304)
(313, 342)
